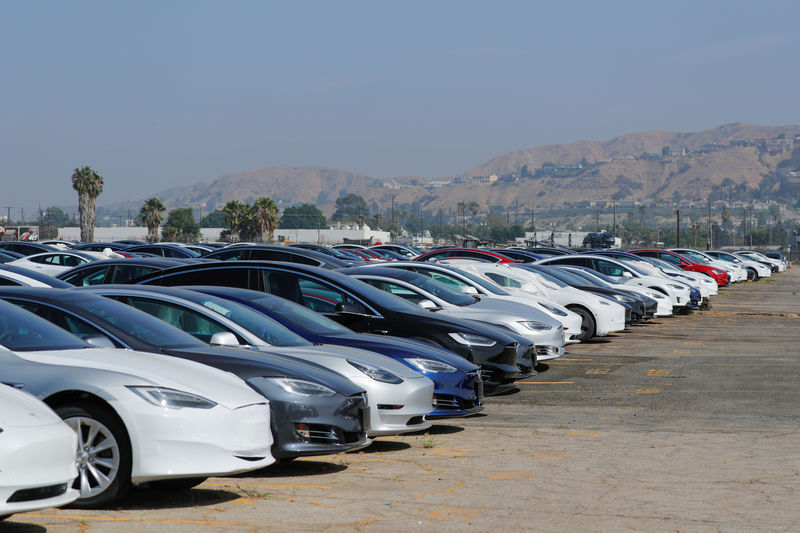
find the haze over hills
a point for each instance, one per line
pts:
(636, 166)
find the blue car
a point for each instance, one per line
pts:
(458, 387)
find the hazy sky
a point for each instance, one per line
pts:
(154, 94)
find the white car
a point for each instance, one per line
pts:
(705, 284)
(37, 455)
(54, 263)
(678, 293)
(386, 381)
(780, 266)
(524, 320)
(469, 283)
(757, 270)
(600, 316)
(22, 277)
(736, 272)
(140, 417)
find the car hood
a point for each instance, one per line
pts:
(161, 371)
(528, 312)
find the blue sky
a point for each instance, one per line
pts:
(154, 94)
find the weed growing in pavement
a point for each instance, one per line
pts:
(254, 494)
(428, 442)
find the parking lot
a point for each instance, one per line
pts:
(689, 423)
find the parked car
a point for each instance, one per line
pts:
(779, 256)
(140, 418)
(598, 240)
(54, 263)
(163, 250)
(17, 276)
(359, 306)
(38, 460)
(265, 252)
(409, 252)
(116, 270)
(736, 273)
(717, 274)
(458, 388)
(313, 410)
(755, 269)
(463, 253)
(469, 283)
(25, 247)
(775, 264)
(538, 327)
(398, 396)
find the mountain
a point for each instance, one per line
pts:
(636, 166)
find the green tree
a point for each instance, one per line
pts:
(181, 226)
(236, 214)
(265, 213)
(215, 219)
(304, 216)
(151, 214)
(474, 208)
(89, 185)
(350, 207)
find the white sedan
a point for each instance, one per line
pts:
(54, 263)
(140, 417)
(600, 315)
(37, 455)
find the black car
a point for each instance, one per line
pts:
(312, 409)
(359, 306)
(116, 270)
(266, 252)
(163, 250)
(26, 248)
(599, 240)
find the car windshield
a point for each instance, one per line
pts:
(547, 277)
(489, 286)
(23, 331)
(442, 290)
(698, 258)
(257, 323)
(146, 328)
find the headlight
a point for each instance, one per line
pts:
(302, 387)
(656, 295)
(718, 271)
(171, 398)
(471, 339)
(676, 287)
(553, 309)
(535, 326)
(378, 374)
(429, 365)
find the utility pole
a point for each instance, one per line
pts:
(751, 227)
(533, 221)
(678, 225)
(614, 226)
(708, 235)
(8, 208)
(597, 219)
(22, 215)
(394, 221)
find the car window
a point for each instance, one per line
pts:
(9, 282)
(78, 327)
(228, 255)
(270, 255)
(188, 320)
(319, 296)
(125, 273)
(94, 276)
(669, 258)
(608, 268)
(503, 281)
(221, 277)
(22, 331)
(398, 290)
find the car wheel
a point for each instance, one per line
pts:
(104, 453)
(587, 322)
(753, 274)
(182, 483)
(3, 517)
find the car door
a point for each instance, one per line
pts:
(88, 276)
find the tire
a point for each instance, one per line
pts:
(181, 483)
(104, 462)
(588, 326)
(3, 517)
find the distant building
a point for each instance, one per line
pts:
(651, 156)
(333, 235)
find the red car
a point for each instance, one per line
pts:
(719, 275)
(442, 254)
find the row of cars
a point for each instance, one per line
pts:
(170, 370)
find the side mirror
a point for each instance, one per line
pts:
(349, 308)
(223, 338)
(428, 305)
(99, 341)
(468, 289)
(627, 274)
(683, 264)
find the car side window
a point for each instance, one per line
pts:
(48, 259)
(669, 258)
(79, 328)
(125, 273)
(398, 290)
(608, 268)
(220, 277)
(228, 255)
(324, 298)
(270, 255)
(503, 281)
(188, 320)
(9, 282)
(88, 277)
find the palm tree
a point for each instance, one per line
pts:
(376, 220)
(266, 215)
(235, 215)
(474, 208)
(89, 185)
(151, 215)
